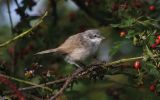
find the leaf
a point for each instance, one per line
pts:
(129, 22)
(151, 39)
(147, 22)
(150, 65)
(137, 41)
(149, 52)
(154, 72)
(125, 23)
(131, 33)
(115, 25)
(158, 87)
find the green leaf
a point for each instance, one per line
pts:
(150, 65)
(147, 22)
(158, 87)
(125, 23)
(115, 25)
(129, 22)
(137, 41)
(151, 39)
(131, 33)
(154, 72)
(148, 51)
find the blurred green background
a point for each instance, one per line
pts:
(65, 18)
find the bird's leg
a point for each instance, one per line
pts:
(77, 65)
(71, 61)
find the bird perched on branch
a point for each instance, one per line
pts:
(78, 47)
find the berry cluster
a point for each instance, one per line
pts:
(30, 71)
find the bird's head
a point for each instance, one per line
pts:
(93, 35)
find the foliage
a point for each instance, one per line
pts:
(132, 22)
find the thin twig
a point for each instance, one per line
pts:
(25, 82)
(44, 84)
(122, 61)
(17, 3)
(12, 28)
(65, 85)
(126, 60)
(9, 13)
(21, 35)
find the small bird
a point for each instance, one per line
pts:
(78, 47)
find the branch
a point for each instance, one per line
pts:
(44, 84)
(86, 71)
(18, 6)
(9, 13)
(77, 75)
(26, 82)
(126, 60)
(21, 35)
(90, 69)
(65, 85)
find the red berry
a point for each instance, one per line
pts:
(153, 46)
(152, 88)
(137, 65)
(123, 33)
(158, 37)
(157, 41)
(152, 8)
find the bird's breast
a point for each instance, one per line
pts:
(80, 54)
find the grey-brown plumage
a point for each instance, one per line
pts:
(78, 47)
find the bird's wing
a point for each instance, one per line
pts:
(67, 47)
(71, 43)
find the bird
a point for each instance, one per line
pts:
(78, 47)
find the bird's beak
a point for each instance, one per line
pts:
(102, 37)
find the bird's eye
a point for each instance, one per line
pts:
(95, 35)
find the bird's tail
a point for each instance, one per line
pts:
(46, 51)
